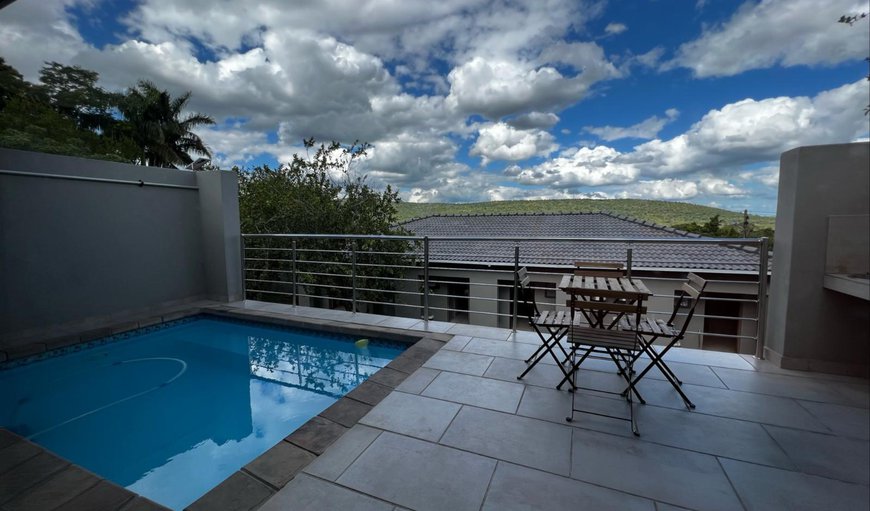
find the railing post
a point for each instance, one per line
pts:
(628, 256)
(353, 275)
(295, 298)
(762, 298)
(516, 285)
(244, 272)
(425, 278)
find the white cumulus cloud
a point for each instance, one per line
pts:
(615, 28)
(584, 167)
(500, 141)
(776, 32)
(646, 129)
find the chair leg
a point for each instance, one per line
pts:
(657, 360)
(556, 335)
(634, 428)
(573, 382)
(573, 370)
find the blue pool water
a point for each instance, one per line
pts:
(172, 412)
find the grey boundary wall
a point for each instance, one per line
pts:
(75, 249)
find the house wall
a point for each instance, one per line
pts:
(810, 327)
(71, 250)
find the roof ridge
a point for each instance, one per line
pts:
(507, 213)
(654, 225)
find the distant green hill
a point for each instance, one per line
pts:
(660, 212)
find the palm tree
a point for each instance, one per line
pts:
(156, 125)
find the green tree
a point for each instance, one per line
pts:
(716, 229)
(51, 119)
(156, 124)
(319, 195)
(74, 93)
(12, 84)
(32, 125)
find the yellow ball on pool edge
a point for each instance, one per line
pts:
(362, 343)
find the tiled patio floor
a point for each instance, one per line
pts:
(463, 433)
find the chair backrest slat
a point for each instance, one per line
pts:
(689, 290)
(598, 269)
(522, 274)
(698, 281)
(527, 294)
(595, 264)
(694, 287)
(607, 306)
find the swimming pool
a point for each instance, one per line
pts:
(170, 411)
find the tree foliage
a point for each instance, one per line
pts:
(157, 125)
(12, 84)
(320, 194)
(73, 92)
(716, 228)
(67, 112)
(850, 19)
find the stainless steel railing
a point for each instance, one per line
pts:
(473, 279)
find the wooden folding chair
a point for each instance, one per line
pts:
(620, 344)
(551, 326)
(651, 329)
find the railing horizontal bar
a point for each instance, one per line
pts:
(270, 281)
(133, 182)
(249, 291)
(397, 304)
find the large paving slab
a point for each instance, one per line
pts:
(472, 390)
(420, 475)
(521, 440)
(734, 404)
(520, 488)
(665, 474)
(342, 453)
(764, 488)
(847, 421)
(519, 351)
(412, 415)
(311, 494)
(459, 362)
(795, 387)
(830, 456)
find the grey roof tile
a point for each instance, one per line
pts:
(564, 252)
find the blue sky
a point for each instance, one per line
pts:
(490, 100)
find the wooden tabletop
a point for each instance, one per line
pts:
(622, 287)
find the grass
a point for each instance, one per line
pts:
(660, 212)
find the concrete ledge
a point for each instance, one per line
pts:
(852, 286)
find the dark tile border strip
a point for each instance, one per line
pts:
(34, 478)
(253, 484)
(94, 334)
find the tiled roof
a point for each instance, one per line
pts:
(573, 225)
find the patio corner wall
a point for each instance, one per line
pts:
(73, 249)
(810, 327)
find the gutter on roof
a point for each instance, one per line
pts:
(563, 267)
